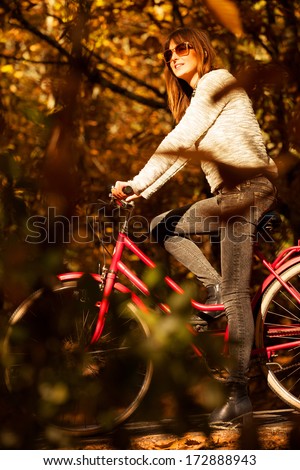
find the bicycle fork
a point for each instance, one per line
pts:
(109, 283)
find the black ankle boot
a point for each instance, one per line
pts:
(237, 408)
(214, 297)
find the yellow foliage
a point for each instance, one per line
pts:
(8, 68)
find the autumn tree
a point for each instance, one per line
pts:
(83, 101)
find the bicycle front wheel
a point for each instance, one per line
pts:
(56, 374)
(278, 333)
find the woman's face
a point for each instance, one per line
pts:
(185, 67)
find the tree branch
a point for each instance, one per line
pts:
(31, 61)
(93, 75)
(17, 15)
(177, 13)
(127, 75)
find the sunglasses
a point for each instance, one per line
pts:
(181, 50)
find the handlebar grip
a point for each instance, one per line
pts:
(127, 190)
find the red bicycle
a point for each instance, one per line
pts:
(74, 354)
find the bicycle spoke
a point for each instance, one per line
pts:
(48, 346)
(285, 379)
(279, 327)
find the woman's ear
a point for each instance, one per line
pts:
(205, 55)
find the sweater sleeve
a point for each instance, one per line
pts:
(198, 118)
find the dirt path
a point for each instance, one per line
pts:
(270, 430)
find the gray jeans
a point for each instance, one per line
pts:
(233, 213)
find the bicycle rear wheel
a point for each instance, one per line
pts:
(56, 374)
(278, 331)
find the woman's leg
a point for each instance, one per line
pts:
(241, 210)
(173, 228)
(236, 265)
(250, 201)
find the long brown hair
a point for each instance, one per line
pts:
(178, 90)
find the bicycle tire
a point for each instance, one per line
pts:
(52, 369)
(280, 314)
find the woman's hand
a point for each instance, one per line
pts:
(132, 197)
(117, 191)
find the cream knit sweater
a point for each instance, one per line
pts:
(222, 127)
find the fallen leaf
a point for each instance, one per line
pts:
(227, 13)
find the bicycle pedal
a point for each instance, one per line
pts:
(214, 316)
(198, 324)
(219, 426)
(245, 420)
(196, 320)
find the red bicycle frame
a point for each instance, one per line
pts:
(280, 264)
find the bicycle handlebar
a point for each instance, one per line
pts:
(127, 190)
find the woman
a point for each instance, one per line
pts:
(214, 117)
